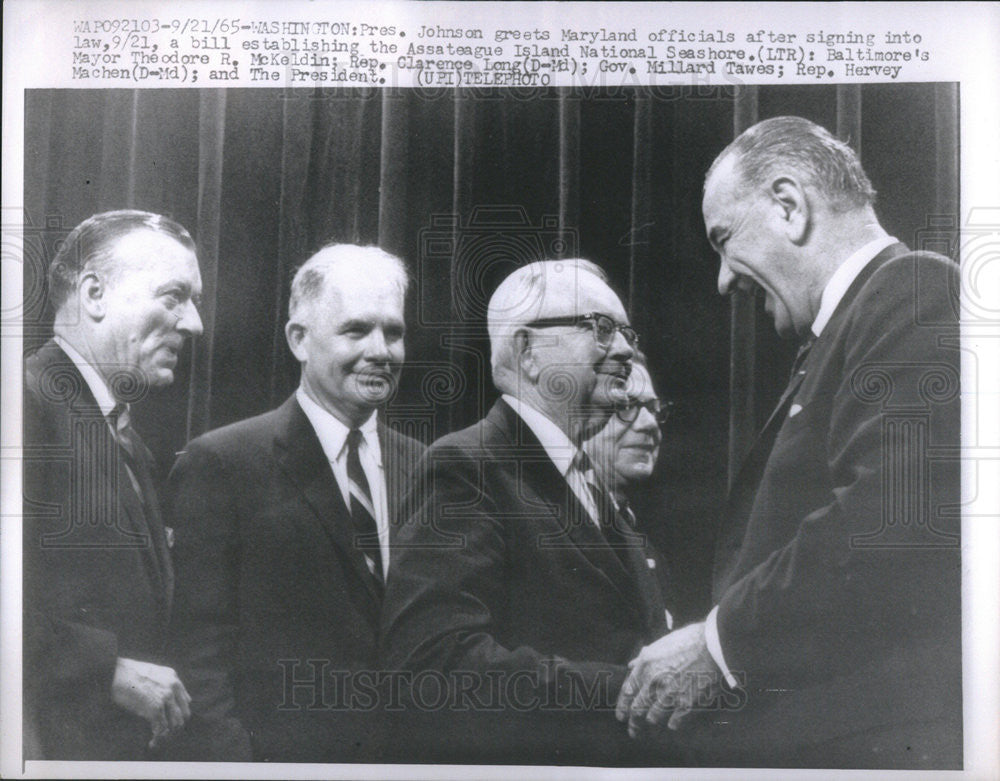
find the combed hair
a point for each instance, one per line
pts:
(89, 247)
(518, 301)
(825, 162)
(370, 261)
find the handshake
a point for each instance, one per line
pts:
(667, 680)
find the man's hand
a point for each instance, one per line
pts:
(153, 692)
(671, 676)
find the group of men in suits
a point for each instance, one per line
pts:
(326, 589)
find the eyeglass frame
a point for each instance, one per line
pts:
(594, 318)
(664, 408)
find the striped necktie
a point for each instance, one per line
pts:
(132, 451)
(602, 499)
(617, 523)
(362, 508)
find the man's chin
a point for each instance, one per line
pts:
(160, 377)
(374, 392)
(638, 473)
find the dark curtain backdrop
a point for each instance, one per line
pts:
(465, 186)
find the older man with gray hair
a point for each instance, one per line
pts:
(516, 588)
(837, 620)
(98, 580)
(283, 532)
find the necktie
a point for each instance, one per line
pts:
(362, 509)
(614, 524)
(800, 356)
(607, 509)
(585, 468)
(131, 449)
(137, 460)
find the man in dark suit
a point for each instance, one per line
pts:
(97, 572)
(624, 453)
(516, 594)
(838, 567)
(282, 526)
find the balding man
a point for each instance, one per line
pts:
(838, 569)
(282, 525)
(98, 579)
(517, 594)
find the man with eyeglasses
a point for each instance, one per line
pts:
(624, 451)
(517, 589)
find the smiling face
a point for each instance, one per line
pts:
(147, 305)
(747, 228)
(638, 442)
(626, 452)
(574, 373)
(350, 344)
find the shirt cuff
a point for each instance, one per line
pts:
(715, 646)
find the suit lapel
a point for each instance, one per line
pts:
(399, 461)
(301, 458)
(126, 508)
(154, 523)
(572, 528)
(740, 498)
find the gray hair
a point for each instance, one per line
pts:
(520, 299)
(89, 247)
(310, 278)
(825, 162)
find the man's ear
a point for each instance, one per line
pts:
(295, 334)
(525, 354)
(92, 294)
(791, 198)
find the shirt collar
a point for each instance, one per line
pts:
(98, 387)
(331, 430)
(557, 445)
(842, 278)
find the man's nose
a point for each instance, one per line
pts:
(620, 349)
(190, 322)
(376, 347)
(727, 279)
(645, 423)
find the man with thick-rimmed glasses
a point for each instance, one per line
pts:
(624, 451)
(516, 588)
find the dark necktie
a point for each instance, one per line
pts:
(362, 509)
(800, 356)
(765, 439)
(137, 460)
(132, 451)
(583, 465)
(613, 523)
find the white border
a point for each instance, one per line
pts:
(964, 40)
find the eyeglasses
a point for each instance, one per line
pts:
(602, 326)
(628, 412)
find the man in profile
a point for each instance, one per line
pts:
(516, 589)
(837, 579)
(282, 526)
(98, 578)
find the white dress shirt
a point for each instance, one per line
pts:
(332, 434)
(106, 402)
(98, 387)
(560, 449)
(833, 293)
